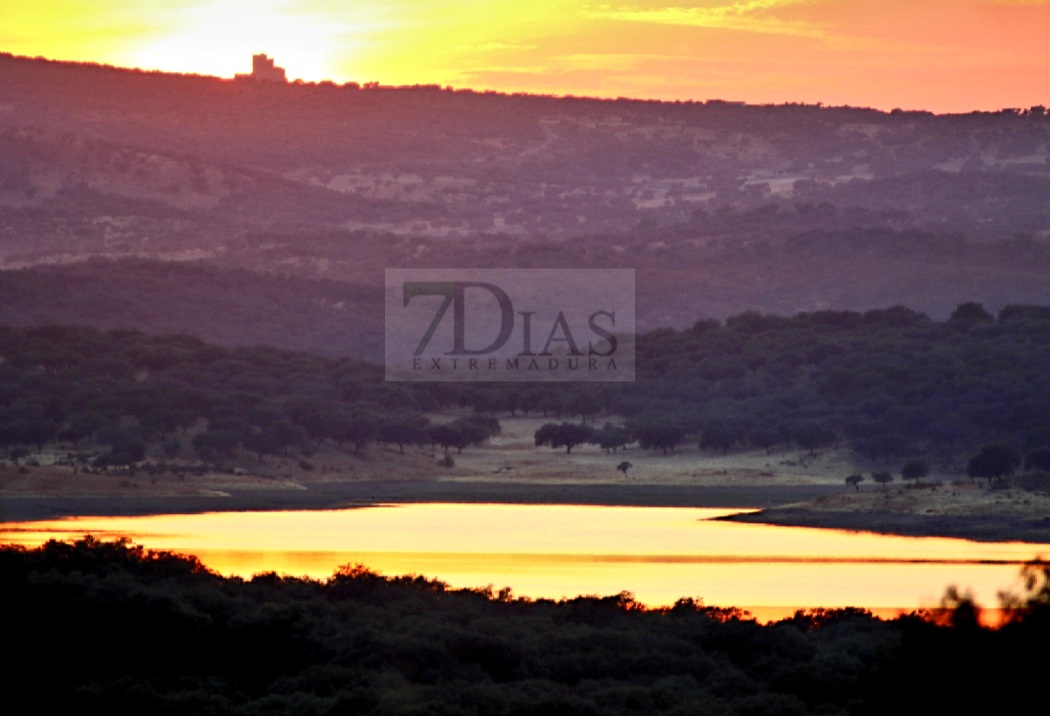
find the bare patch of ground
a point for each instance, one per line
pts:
(328, 464)
(513, 457)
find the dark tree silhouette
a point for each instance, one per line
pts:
(567, 435)
(584, 403)
(764, 438)
(720, 436)
(812, 435)
(1038, 459)
(883, 478)
(658, 432)
(612, 437)
(971, 312)
(993, 462)
(359, 428)
(447, 436)
(403, 427)
(915, 470)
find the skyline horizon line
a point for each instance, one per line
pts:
(375, 84)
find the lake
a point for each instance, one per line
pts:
(556, 551)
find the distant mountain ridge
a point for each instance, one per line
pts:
(721, 207)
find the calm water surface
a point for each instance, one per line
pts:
(556, 551)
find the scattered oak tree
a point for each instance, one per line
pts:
(720, 436)
(566, 435)
(915, 470)
(658, 432)
(993, 462)
(612, 437)
(883, 478)
(403, 427)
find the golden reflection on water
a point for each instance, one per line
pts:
(559, 551)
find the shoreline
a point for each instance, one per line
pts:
(976, 528)
(344, 495)
(759, 504)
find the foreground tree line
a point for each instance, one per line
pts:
(892, 385)
(112, 627)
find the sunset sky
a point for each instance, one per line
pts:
(942, 55)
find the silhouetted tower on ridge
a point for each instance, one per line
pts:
(264, 70)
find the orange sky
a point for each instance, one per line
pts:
(942, 55)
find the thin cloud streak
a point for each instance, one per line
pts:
(752, 16)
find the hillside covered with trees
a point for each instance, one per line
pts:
(889, 384)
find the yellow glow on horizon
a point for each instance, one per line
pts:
(943, 55)
(446, 43)
(209, 37)
(219, 37)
